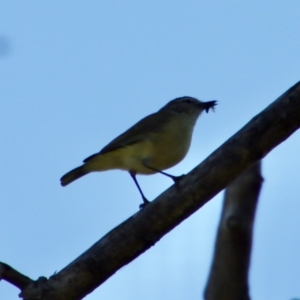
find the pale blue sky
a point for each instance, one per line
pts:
(78, 73)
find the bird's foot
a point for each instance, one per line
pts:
(144, 204)
(177, 179)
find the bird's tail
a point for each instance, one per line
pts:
(73, 175)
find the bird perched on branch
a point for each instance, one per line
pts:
(155, 143)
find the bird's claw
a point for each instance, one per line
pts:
(144, 204)
(177, 179)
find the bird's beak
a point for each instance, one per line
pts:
(209, 105)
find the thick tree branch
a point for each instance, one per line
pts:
(228, 279)
(141, 231)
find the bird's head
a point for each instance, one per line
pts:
(189, 106)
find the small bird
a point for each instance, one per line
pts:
(155, 143)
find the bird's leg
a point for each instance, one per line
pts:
(146, 201)
(176, 179)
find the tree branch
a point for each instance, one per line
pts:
(141, 231)
(14, 277)
(228, 279)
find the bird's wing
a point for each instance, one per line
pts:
(136, 133)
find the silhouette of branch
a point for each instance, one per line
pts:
(228, 279)
(14, 277)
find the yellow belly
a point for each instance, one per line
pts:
(160, 150)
